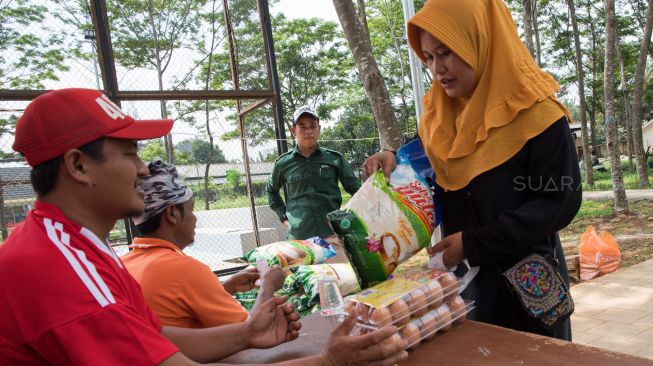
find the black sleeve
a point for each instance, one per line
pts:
(552, 158)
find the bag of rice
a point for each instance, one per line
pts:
(292, 252)
(308, 277)
(385, 224)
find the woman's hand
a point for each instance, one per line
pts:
(384, 160)
(451, 248)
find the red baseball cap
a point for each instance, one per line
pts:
(65, 119)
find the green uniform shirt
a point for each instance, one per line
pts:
(312, 186)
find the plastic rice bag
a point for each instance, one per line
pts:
(308, 277)
(292, 252)
(385, 224)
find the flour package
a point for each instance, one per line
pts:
(385, 224)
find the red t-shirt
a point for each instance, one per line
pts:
(67, 299)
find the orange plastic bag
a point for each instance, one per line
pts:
(598, 254)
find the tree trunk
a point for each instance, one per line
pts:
(620, 201)
(528, 26)
(589, 172)
(536, 32)
(626, 100)
(638, 91)
(167, 139)
(207, 110)
(375, 88)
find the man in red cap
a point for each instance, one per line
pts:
(65, 296)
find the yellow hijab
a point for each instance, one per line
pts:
(513, 100)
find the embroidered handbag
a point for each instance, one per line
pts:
(540, 290)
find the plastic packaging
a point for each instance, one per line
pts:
(425, 303)
(331, 301)
(385, 224)
(292, 252)
(308, 278)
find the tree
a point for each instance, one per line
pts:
(234, 179)
(638, 90)
(26, 59)
(201, 152)
(580, 74)
(356, 136)
(620, 201)
(153, 150)
(146, 34)
(313, 62)
(387, 30)
(373, 83)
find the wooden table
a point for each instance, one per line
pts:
(469, 343)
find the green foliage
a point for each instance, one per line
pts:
(225, 196)
(356, 122)
(200, 151)
(146, 33)
(30, 51)
(234, 178)
(603, 180)
(154, 150)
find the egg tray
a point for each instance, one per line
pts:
(435, 321)
(397, 308)
(427, 326)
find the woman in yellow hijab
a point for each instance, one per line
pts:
(500, 145)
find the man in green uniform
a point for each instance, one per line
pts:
(311, 175)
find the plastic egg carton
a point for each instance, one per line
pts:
(398, 300)
(427, 326)
(435, 321)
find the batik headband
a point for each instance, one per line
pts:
(164, 187)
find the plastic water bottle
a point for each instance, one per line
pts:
(331, 300)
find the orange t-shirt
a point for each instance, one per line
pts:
(181, 290)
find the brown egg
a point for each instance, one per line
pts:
(411, 334)
(391, 340)
(434, 293)
(429, 325)
(380, 317)
(449, 284)
(444, 318)
(400, 312)
(417, 304)
(458, 309)
(362, 311)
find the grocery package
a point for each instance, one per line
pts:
(598, 254)
(385, 224)
(292, 252)
(419, 309)
(309, 276)
(248, 298)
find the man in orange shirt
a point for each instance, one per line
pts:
(181, 290)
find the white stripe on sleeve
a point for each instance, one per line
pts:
(63, 244)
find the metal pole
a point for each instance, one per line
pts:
(415, 65)
(233, 62)
(107, 64)
(273, 77)
(3, 219)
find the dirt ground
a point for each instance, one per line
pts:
(633, 231)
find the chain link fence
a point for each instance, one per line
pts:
(176, 62)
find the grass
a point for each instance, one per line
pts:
(603, 180)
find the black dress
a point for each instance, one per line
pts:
(510, 212)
